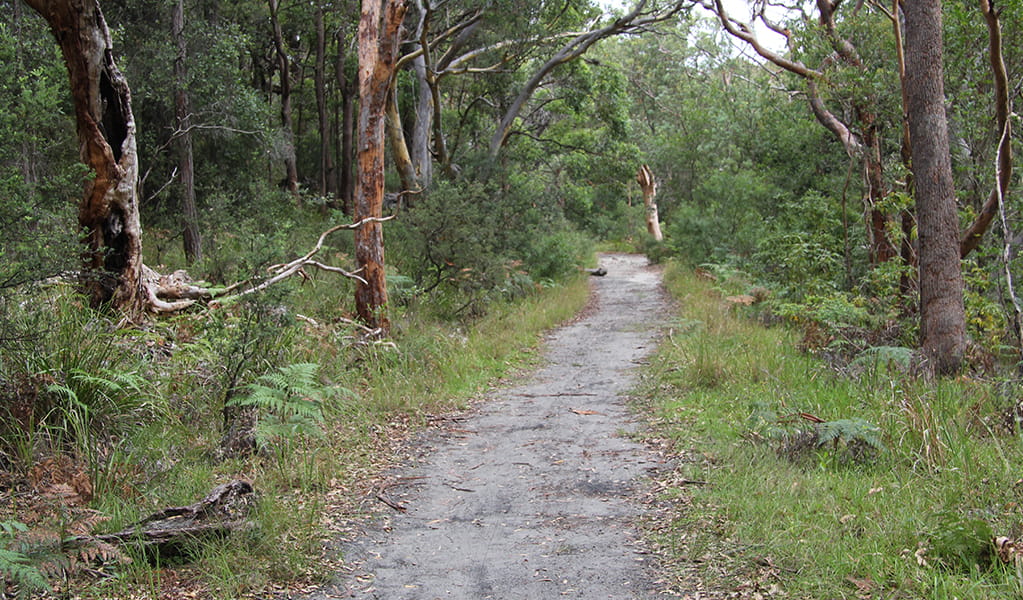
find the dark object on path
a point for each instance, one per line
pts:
(166, 532)
(598, 272)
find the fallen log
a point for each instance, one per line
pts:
(223, 511)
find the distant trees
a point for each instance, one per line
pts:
(247, 104)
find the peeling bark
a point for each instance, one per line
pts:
(645, 178)
(108, 212)
(379, 37)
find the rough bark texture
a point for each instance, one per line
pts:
(379, 36)
(224, 510)
(942, 321)
(646, 181)
(189, 214)
(108, 211)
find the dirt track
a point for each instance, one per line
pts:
(533, 495)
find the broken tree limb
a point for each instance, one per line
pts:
(224, 510)
(177, 291)
(646, 181)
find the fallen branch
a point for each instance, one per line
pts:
(224, 510)
(177, 291)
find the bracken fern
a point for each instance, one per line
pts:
(18, 567)
(294, 395)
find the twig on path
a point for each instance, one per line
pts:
(392, 504)
(400, 481)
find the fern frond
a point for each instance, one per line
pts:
(19, 568)
(884, 356)
(10, 528)
(294, 395)
(850, 430)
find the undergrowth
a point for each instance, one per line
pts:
(122, 424)
(817, 482)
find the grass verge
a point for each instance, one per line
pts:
(799, 480)
(124, 454)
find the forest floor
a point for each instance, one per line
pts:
(538, 491)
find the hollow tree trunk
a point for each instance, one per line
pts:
(108, 211)
(189, 214)
(942, 320)
(379, 36)
(645, 178)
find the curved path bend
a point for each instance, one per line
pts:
(534, 495)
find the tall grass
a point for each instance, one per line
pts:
(385, 391)
(816, 520)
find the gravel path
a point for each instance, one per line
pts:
(533, 495)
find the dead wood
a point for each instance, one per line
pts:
(177, 291)
(223, 511)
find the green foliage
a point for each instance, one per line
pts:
(884, 359)
(961, 543)
(294, 396)
(17, 567)
(831, 312)
(76, 387)
(859, 500)
(469, 242)
(849, 432)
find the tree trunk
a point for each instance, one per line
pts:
(326, 157)
(287, 130)
(345, 181)
(881, 248)
(399, 147)
(189, 214)
(942, 320)
(108, 211)
(379, 36)
(1003, 176)
(422, 160)
(646, 181)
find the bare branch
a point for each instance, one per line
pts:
(744, 32)
(636, 20)
(1003, 108)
